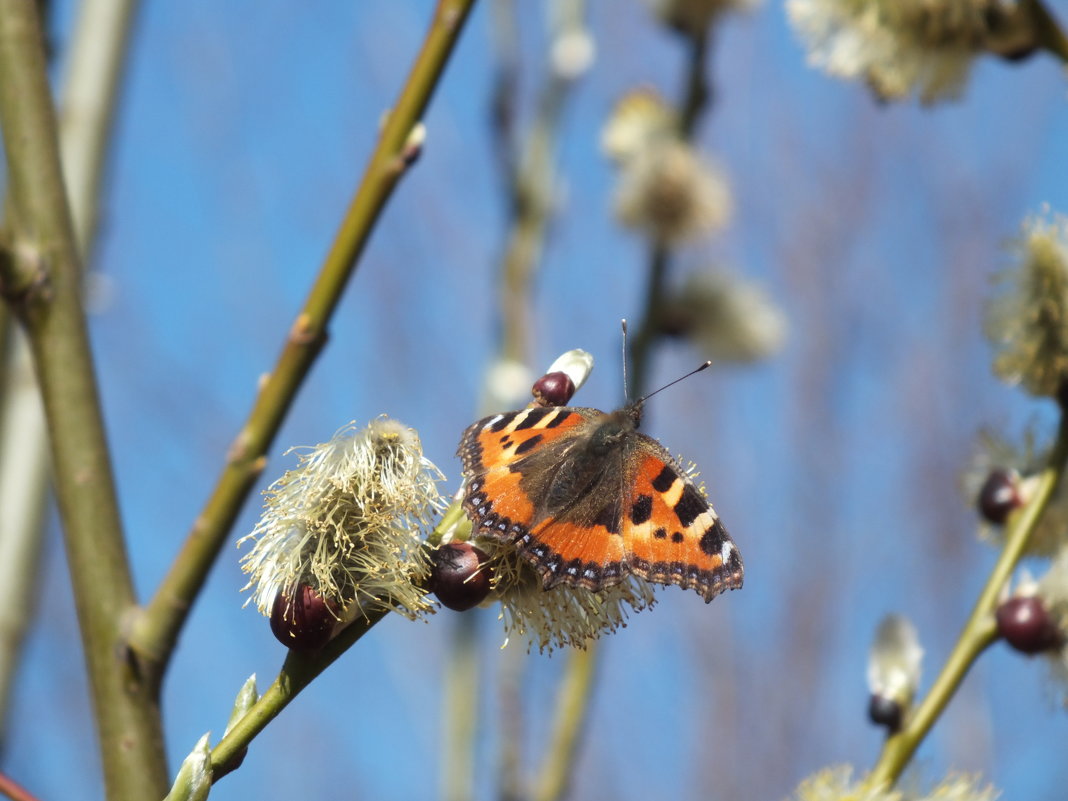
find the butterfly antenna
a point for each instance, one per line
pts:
(626, 386)
(673, 383)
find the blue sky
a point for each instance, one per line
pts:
(835, 464)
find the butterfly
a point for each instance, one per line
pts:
(588, 500)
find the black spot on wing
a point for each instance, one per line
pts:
(660, 533)
(641, 510)
(530, 444)
(558, 417)
(531, 417)
(664, 480)
(676, 537)
(712, 540)
(690, 505)
(503, 423)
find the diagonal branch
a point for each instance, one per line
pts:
(156, 631)
(980, 631)
(297, 672)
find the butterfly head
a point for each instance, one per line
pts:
(632, 412)
(615, 427)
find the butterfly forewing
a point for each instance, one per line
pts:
(503, 456)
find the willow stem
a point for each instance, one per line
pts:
(42, 282)
(156, 631)
(980, 630)
(297, 673)
(86, 111)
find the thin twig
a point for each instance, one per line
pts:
(297, 672)
(695, 101)
(42, 283)
(156, 631)
(14, 791)
(979, 632)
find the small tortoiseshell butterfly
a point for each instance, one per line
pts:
(588, 500)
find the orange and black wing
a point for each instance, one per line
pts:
(671, 534)
(502, 458)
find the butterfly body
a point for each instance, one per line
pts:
(588, 500)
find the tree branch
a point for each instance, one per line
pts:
(297, 672)
(980, 631)
(42, 283)
(89, 97)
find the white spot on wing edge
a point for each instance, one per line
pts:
(493, 421)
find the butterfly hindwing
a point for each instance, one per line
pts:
(581, 543)
(671, 533)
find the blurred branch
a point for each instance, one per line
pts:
(695, 102)
(14, 791)
(87, 111)
(530, 178)
(511, 783)
(504, 33)
(42, 283)
(1050, 34)
(156, 631)
(460, 711)
(23, 491)
(698, 95)
(980, 630)
(7, 324)
(572, 705)
(297, 673)
(576, 688)
(532, 188)
(99, 46)
(648, 330)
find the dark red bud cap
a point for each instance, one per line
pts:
(1026, 625)
(885, 712)
(303, 622)
(553, 389)
(459, 576)
(999, 496)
